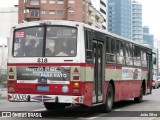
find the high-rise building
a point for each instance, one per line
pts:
(120, 17)
(147, 37)
(137, 29)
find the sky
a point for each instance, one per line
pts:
(150, 14)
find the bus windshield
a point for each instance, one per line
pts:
(48, 41)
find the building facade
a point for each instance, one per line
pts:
(102, 7)
(147, 37)
(120, 17)
(157, 48)
(95, 18)
(137, 29)
(73, 10)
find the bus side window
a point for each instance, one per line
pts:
(120, 52)
(110, 50)
(88, 42)
(137, 56)
(144, 58)
(128, 53)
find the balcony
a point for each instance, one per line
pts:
(90, 20)
(30, 16)
(31, 4)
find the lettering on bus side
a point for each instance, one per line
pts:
(42, 60)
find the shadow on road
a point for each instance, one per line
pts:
(79, 111)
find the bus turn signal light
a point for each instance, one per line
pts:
(75, 84)
(10, 83)
(11, 77)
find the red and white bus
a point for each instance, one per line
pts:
(61, 63)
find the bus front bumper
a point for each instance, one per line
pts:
(45, 98)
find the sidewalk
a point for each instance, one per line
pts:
(3, 93)
(158, 118)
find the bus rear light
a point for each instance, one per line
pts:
(10, 83)
(11, 77)
(10, 89)
(75, 84)
(75, 90)
(75, 77)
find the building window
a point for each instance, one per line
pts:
(43, 11)
(34, 2)
(60, 1)
(26, 11)
(43, 1)
(71, 11)
(60, 12)
(24, 1)
(51, 1)
(71, 1)
(52, 12)
(34, 12)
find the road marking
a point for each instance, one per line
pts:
(40, 109)
(91, 118)
(117, 110)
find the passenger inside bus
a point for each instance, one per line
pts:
(60, 49)
(50, 44)
(30, 49)
(20, 50)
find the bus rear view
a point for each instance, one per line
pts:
(65, 62)
(43, 65)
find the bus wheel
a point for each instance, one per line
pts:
(109, 98)
(139, 99)
(54, 106)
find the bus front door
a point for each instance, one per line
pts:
(98, 71)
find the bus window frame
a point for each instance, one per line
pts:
(130, 48)
(118, 41)
(88, 40)
(44, 26)
(140, 48)
(16, 29)
(109, 53)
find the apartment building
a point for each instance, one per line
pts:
(73, 10)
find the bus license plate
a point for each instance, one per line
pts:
(43, 88)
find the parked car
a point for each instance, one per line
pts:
(158, 79)
(155, 84)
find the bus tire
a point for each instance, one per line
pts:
(139, 99)
(54, 106)
(109, 98)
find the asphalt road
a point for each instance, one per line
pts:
(149, 109)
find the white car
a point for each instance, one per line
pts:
(0, 94)
(158, 79)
